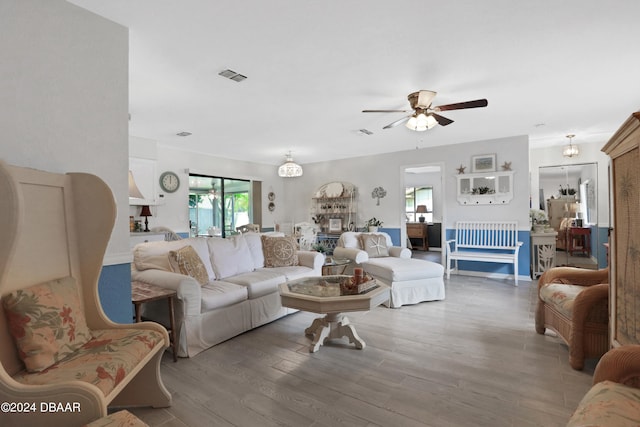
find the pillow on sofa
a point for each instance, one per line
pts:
(374, 244)
(254, 242)
(149, 250)
(186, 261)
(230, 256)
(279, 251)
(47, 322)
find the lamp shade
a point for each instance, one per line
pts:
(134, 191)
(145, 211)
(422, 209)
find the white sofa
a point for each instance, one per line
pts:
(241, 293)
(411, 280)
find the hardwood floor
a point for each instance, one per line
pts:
(471, 360)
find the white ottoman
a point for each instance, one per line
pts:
(411, 280)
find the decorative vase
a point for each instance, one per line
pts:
(372, 229)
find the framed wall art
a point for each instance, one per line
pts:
(483, 163)
(335, 225)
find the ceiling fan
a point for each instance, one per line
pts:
(424, 116)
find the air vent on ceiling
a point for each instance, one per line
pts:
(230, 74)
(183, 133)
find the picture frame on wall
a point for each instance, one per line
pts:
(335, 225)
(483, 163)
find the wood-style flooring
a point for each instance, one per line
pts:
(471, 360)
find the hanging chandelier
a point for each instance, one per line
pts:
(570, 150)
(289, 169)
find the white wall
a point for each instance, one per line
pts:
(387, 170)
(64, 97)
(173, 210)
(293, 195)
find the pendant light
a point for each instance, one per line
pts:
(289, 169)
(570, 150)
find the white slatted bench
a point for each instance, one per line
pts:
(485, 241)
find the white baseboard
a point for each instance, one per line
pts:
(489, 275)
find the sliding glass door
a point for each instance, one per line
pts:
(218, 205)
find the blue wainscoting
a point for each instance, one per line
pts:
(601, 235)
(487, 268)
(114, 288)
(394, 233)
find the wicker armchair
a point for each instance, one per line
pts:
(573, 302)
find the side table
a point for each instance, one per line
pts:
(145, 292)
(579, 240)
(543, 252)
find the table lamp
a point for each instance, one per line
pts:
(421, 209)
(146, 213)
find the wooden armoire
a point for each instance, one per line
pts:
(624, 150)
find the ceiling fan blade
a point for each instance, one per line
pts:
(442, 121)
(462, 105)
(385, 111)
(397, 122)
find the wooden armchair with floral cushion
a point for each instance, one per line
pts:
(57, 346)
(614, 399)
(574, 303)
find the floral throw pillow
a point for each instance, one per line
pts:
(279, 251)
(186, 261)
(375, 245)
(47, 322)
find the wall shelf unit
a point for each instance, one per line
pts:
(334, 208)
(489, 188)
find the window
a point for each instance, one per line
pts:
(415, 196)
(218, 205)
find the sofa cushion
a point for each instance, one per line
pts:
(219, 294)
(254, 243)
(186, 261)
(47, 322)
(230, 256)
(293, 272)
(374, 244)
(142, 252)
(260, 282)
(560, 296)
(608, 404)
(104, 361)
(392, 269)
(279, 251)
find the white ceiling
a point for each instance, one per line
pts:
(547, 67)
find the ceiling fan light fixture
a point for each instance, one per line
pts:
(289, 169)
(570, 150)
(421, 122)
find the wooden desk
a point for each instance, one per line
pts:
(579, 240)
(145, 292)
(418, 230)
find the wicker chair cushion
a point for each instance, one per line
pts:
(608, 404)
(561, 296)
